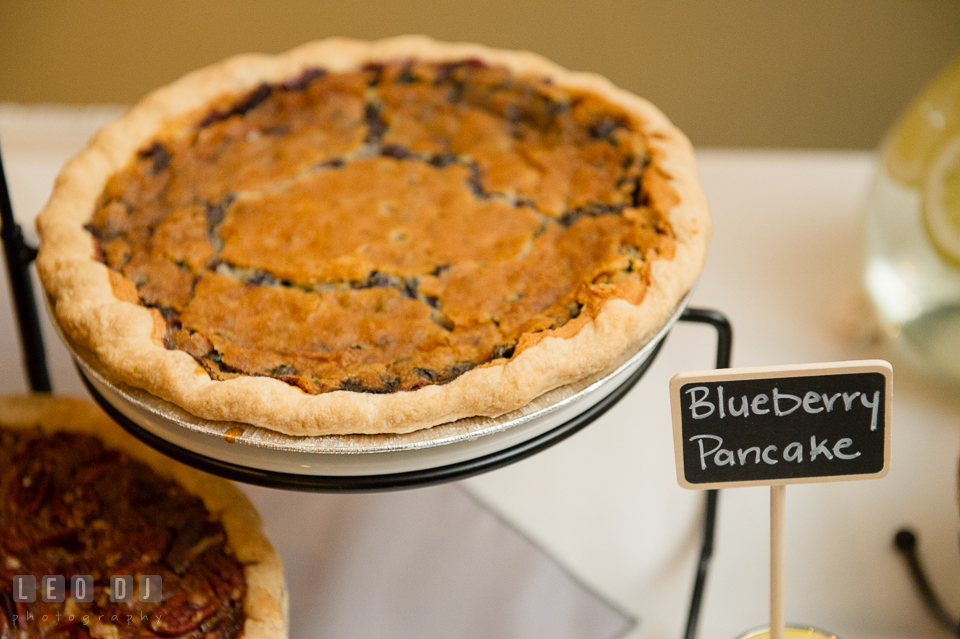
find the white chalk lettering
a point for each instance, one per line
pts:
(848, 399)
(769, 450)
(846, 442)
(742, 454)
(758, 401)
(809, 400)
(697, 402)
(873, 406)
(828, 401)
(819, 449)
(724, 457)
(744, 407)
(703, 453)
(812, 402)
(796, 456)
(792, 453)
(777, 396)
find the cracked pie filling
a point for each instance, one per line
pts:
(391, 225)
(382, 229)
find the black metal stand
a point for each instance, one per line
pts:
(724, 347)
(905, 541)
(19, 256)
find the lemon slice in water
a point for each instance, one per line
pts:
(931, 118)
(941, 201)
(914, 144)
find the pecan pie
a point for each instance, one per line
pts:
(373, 237)
(78, 496)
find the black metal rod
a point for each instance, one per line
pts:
(724, 347)
(703, 566)
(905, 541)
(18, 256)
(720, 322)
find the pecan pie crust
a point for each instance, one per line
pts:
(112, 476)
(373, 237)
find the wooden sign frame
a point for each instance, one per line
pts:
(774, 373)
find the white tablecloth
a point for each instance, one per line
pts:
(784, 267)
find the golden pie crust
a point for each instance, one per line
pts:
(265, 601)
(530, 294)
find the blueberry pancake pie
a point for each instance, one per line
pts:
(358, 237)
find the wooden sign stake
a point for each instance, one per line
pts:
(779, 425)
(778, 498)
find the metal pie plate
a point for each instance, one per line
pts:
(357, 455)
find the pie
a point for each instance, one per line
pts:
(361, 237)
(78, 496)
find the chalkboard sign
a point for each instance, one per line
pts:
(782, 425)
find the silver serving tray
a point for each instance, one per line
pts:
(358, 455)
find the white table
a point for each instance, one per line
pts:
(784, 267)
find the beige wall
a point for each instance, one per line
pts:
(801, 73)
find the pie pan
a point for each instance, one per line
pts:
(366, 462)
